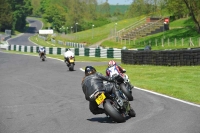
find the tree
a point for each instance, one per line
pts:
(55, 15)
(20, 10)
(5, 15)
(43, 5)
(36, 7)
(177, 8)
(105, 9)
(194, 9)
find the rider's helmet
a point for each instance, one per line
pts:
(68, 49)
(89, 70)
(111, 63)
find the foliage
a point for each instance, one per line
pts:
(55, 15)
(194, 9)
(177, 8)
(6, 15)
(144, 7)
(20, 10)
(36, 8)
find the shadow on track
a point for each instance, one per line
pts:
(104, 119)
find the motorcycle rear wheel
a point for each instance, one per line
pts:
(71, 67)
(113, 112)
(43, 58)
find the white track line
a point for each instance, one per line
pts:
(176, 99)
(155, 93)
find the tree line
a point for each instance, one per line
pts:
(82, 14)
(13, 14)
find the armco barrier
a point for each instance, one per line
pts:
(91, 52)
(187, 57)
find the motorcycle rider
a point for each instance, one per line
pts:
(113, 68)
(68, 54)
(42, 50)
(93, 81)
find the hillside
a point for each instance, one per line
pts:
(182, 34)
(173, 38)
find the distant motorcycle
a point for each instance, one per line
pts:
(125, 86)
(114, 107)
(71, 63)
(42, 56)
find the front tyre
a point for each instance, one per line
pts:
(113, 112)
(126, 92)
(131, 113)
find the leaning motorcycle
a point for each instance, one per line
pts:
(42, 56)
(113, 106)
(124, 83)
(71, 63)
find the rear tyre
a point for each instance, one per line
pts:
(113, 112)
(43, 58)
(126, 92)
(71, 67)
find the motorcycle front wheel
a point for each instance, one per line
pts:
(126, 92)
(131, 113)
(112, 111)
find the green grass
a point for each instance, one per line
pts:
(179, 82)
(95, 34)
(177, 37)
(44, 43)
(183, 22)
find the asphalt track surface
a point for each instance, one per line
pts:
(44, 97)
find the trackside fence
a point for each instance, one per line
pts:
(91, 52)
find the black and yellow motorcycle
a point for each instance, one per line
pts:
(115, 108)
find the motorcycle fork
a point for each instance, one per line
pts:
(127, 107)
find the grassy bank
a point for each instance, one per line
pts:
(179, 82)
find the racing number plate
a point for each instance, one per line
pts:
(71, 60)
(100, 98)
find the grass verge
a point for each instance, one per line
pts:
(178, 82)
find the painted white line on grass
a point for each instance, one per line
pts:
(155, 93)
(50, 43)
